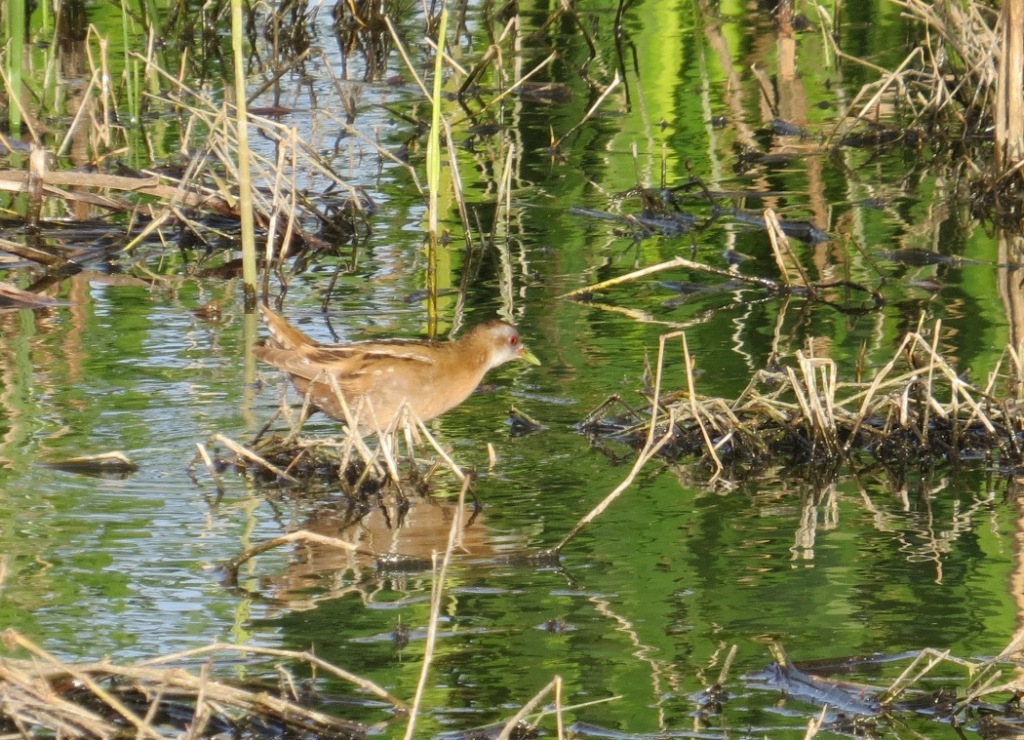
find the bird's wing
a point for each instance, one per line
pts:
(285, 335)
(357, 367)
(360, 357)
(289, 360)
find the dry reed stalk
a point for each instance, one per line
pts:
(995, 375)
(445, 56)
(520, 82)
(158, 684)
(870, 394)
(894, 414)
(32, 704)
(959, 388)
(785, 257)
(930, 381)
(282, 204)
(14, 99)
(457, 187)
(409, 66)
(691, 392)
(386, 445)
(441, 451)
(251, 456)
(513, 723)
(558, 710)
(302, 657)
(503, 208)
(1016, 355)
(153, 227)
(13, 638)
(350, 419)
(616, 81)
(979, 686)
(202, 715)
(39, 256)
(16, 180)
(436, 590)
(204, 455)
(985, 673)
(890, 79)
(301, 535)
(108, 110)
(719, 408)
(810, 397)
(492, 52)
(815, 724)
(908, 677)
(660, 267)
(649, 452)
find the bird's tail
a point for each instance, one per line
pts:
(284, 334)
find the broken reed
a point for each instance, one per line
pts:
(213, 133)
(917, 409)
(49, 697)
(967, 66)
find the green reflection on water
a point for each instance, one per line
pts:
(653, 595)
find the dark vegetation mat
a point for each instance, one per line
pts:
(915, 411)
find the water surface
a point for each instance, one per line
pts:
(644, 606)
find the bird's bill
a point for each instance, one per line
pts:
(527, 355)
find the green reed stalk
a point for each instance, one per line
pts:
(131, 67)
(434, 175)
(434, 137)
(244, 175)
(15, 29)
(152, 22)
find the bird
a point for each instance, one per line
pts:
(377, 377)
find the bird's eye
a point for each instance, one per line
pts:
(513, 340)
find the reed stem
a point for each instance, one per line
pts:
(434, 175)
(15, 59)
(244, 174)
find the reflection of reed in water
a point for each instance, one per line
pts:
(28, 346)
(44, 355)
